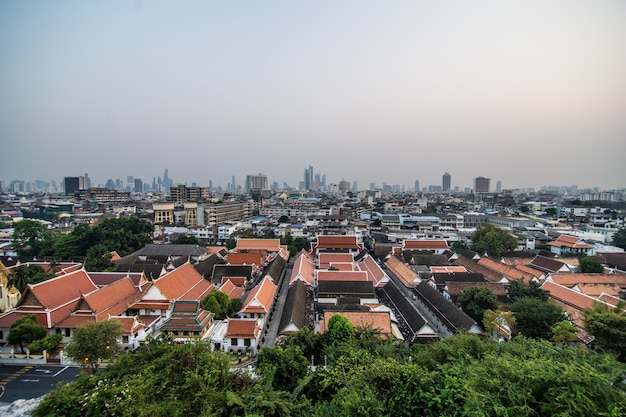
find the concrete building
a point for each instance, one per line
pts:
(481, 185)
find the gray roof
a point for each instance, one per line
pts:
(171, 250)
(295, 306)
(441, 279)
(346, 288)
(449, 314)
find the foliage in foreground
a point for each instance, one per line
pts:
(460, 375)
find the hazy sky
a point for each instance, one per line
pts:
(530, 93)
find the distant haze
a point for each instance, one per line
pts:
(530, 93)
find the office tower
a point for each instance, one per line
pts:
(416, 186)
(256, 182)
(138, 185)
(73, 184)
(498, 186)
(309, 178)
(481, 185)
(446, 182)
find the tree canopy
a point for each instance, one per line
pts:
(459, 375)
(26, 330)
(608, 326)
(493, 240)
(535, 318)
(589, 265)
(95, 342)
(518, 289)
(218, 303)
(31, 237)
(476, 300)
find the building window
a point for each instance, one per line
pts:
(234, 341)
(68, 332)
(125, 339)
(246, 342)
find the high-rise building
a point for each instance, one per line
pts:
(416, 186)
(481, 185)
(447, 179)
(309, 178)
(138, 188)
(498, 186)
(256, 182)
(73, 184)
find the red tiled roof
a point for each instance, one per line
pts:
(270, 245)
(261, 298)
(342, 276)
(303, 269)
(62, 289)
(374, 271)
(326, 259)
(447, 269)
(180, 281)
(242, 328)
(249, 258)
(369, 319)
(336, 242)
(571, 279)
(113, 299)
(505, 270)
(425, 244)
(570, 242)
(405, 274)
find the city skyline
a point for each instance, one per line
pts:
(526, 94)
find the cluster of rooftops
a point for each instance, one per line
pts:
(408, 294)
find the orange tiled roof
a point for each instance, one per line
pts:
(368, 319)
(570, 242)
(336, 242)
(181, 281)
(270, 245)
(113, 299)
(341, 276)
(405, 274)
(568, 296)
(246, 258)
(62, 289)
(326, 259)
(425, 244)
(571, 279)
(505, 270)
(303, 269)
(242, 328)
(447, 269)
(261, 298)
(374, 271)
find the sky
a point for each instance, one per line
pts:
(529, 93)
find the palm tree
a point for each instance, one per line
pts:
(19, 278)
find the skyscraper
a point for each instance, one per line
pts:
(447, 179)
(416, 186)
(498, 186)
(309, 178)
(256, 182)
(481, 185)
(73, 184)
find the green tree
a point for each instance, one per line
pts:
(98, 259)
(476, 300)
(563, 333)
(30, 237)
(589, 265)
(124, 235)
(458, 246)
(25, 330)
(283, 365)
(518, 289)
(535, 318)
(217, 303)
(551, 211)
(94, 343)
(185, 240)
(19, 278)
(619, 238)
(608, 326)
(498, 322)
(340, 329)
(493, 240)
(49, 343)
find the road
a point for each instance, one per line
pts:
(26, 382)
